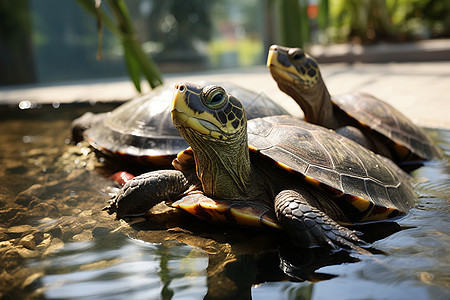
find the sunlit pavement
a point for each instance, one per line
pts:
(420, 90)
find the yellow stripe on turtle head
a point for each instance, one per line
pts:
(208, 110)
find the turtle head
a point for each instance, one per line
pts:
(214, 124)
(293, 65)
(207, 110)
(298, 75)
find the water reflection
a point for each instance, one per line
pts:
(189, 259)
(117, 267)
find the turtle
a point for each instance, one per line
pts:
(273, 172)
(360, 116)
(141, 131)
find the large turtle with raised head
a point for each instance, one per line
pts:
(274, 171)
(359, 116)
(142, 130)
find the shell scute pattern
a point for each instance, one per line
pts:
(310, 151)
(288, 161)
(417, 144)
(353, 186)
(327, 176)
(386, 120)
(397, 193)
(260, 128)
(376, 188)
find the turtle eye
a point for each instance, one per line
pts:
(296, 54)
(215, 97)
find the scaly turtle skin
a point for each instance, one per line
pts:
(278, 171)
(142, 131)
(359, 116)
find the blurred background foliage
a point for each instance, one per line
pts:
(54, 40)
(371, 21)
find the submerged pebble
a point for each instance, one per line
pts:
(11, 259)
(3, 235)
(49, 197)
(27, 253)
(100, 231)
(84, 236)
(55, 245)
(19, 230)
(31, 240)
(33, 192)
(45, 242)
(9, 214)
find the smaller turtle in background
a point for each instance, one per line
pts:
(359, 116)
(141, 131)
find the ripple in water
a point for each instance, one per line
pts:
(123, 268)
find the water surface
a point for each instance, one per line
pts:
(56, 243)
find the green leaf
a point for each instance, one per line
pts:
(137, 61)
(89, 6)
(132, 64)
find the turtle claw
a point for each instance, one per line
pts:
(346, 239)
(112, 207)
(311, 227)
(337, 236)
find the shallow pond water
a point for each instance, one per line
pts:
(56, 243)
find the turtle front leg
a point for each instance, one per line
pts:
(308, 226)
(143, 192)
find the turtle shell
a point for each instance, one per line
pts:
(142, 130)
(366, 186)
(377, 115)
